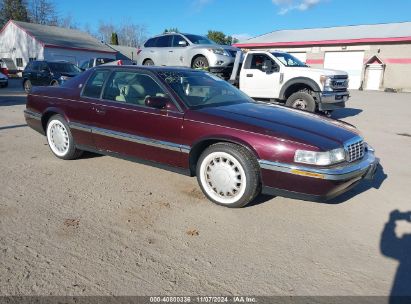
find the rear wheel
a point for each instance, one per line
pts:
(27, 86)
(200, 63)
(60, 140)
(54, 83)
(228, 175)
(148, 62)
(301, 100)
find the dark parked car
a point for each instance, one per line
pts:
(48, 73)
(195, 123)
(4, 80)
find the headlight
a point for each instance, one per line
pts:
(64, 78)
(320, 158)
(219, 52)
(326, 82)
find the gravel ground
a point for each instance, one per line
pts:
(105, 226)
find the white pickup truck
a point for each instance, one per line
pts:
(280, 77)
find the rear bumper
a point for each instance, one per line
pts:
(314, 184)
(33, 120)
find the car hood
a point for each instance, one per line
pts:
(327, 72)
(216, 46)
(285, 123)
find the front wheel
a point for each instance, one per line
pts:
(228, 175)
(200, 63)
(60, 140)
(301, 100)
(27, 86)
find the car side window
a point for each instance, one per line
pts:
(131, 87)
(94, 85)
(164, 41)
(177, 39)
(42, 66)
(257, 61)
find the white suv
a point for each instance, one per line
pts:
(194, 51)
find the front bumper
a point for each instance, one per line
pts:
(332, 100)
(4, 82)
(315, 184)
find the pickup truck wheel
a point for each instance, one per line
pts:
(60, 140)
(27, 86)
(228, 175)
(148, 62)
(301, 100)
(200, 63)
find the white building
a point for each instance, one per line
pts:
(24, 42)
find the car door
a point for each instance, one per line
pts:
(32, 71)
(161, 50)
(83, 113)
(177, 51)
(43, 74)
(257, 83)
(129, 127)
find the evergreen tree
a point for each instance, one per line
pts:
(13, 9)
(114, 39)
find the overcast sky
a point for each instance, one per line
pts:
(242, 18)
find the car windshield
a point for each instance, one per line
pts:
(288, 60)
(195, 39)
(201, 89)
(64, 67)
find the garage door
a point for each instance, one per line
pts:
(351, 62)
(300, 56)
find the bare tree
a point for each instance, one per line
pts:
(68, 22)
(43, 12)
(131, 34)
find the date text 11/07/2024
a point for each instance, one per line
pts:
(204, 299)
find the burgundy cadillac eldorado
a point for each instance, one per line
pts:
(195, 123)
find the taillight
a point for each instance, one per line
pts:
(139, 51)
(120, 62)
(5, 71)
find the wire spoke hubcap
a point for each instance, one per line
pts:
(223, 177)
(58, 138)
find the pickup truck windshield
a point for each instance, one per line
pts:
(195, 39)
(288, 60)
(200, 89)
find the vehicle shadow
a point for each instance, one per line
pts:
(364, 185)
(344, 113)
(89, 155)
(12, 127)
(398, 248)
(260, 199)
(7, 101)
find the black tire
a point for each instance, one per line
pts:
(301, 100)
(54, 83)
(239, 158)
(72, 152)
(201, 63)
(27, 86)
(148, 62)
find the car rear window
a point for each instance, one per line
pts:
(63, 67)
(150, 42)
(94, 85)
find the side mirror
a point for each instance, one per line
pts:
(157, 102)
(267, 66)
(182, 43)
(46, 71)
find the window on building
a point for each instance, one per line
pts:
(19, 62)
(32, 59)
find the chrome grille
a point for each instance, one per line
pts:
(355, 150)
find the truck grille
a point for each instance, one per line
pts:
(355, 150)
(339, 82)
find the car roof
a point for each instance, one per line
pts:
(155, 69)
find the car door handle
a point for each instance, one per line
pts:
(170, 51)
(250, 75)
(100, 111)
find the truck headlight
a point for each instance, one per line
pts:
(64, 78)
(320, 158)
(219, 52)
(326, 82)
